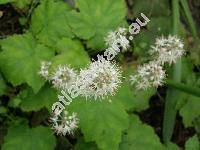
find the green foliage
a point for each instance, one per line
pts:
(106, 121)
(133, 99)
(2, 85)
(151, 7)
(20, 60)
(138, 136)
(5, 1)
(34, 102)
(63, 33)
(70, 52)
(96, 19)
(21, 137)
(17, 3)
(195, 52)
(193, 143)
(82, 145)
(188, 115)
(49, 22)
(21, 3)
(107, 118)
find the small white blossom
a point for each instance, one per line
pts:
(111, 37)
(167, 50)
(148, 75)
(99, 79)
(64, 123)
(44, 69)
(117, 39)
(63, 77)
(122, 31)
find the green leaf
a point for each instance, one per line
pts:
(151, 7)
(95, 19)
(173, 95)
(188, 15)
(20, 60)
(49, 22)
(101, 121)
(3, 110)
(21, 137)
(107, 119)
(14, 102)
(71, 52)
(139, 136)
(172, 146)
(195, 52)
(2, 85)
(82, 145)
(17, 3)
(21, 3)
(34, 102)
(156, 27)
(193, 143)
(5, 1)
(189, 116)
(132, 99)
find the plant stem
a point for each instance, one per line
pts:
(172, 94)
(185, 88)
(189, 18)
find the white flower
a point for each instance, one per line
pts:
(63, 77)
(44, 69)
(121, 30)
(64, 123)
(99, 79)
(117, 39)
(124, 43)
(111, 37)
(148, 75)
(167, 50)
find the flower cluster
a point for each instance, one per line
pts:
(117, 38)
(166, 50)
(149, 75)
(63, 123)
(100, 79)
(116, 41)
(63, 77)
(44, 69)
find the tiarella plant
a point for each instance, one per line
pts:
(99, 74)
(102, 77)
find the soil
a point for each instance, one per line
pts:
(9, 21)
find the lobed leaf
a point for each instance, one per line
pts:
(34, 102)
(193, 143)
(21, 137)
(49, 22)
(138, 136)
(101, 121)
(95, 19)
(20, 60)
